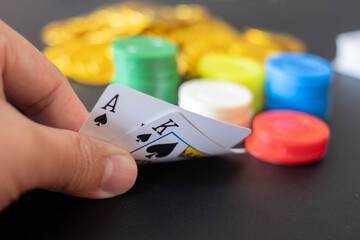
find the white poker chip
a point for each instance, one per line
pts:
(221, 100)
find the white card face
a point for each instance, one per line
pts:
(171, 137)
(126, 110)
(105, 120)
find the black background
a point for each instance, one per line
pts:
(233, 197)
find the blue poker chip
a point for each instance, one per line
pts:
(301, 68)
(299, 81)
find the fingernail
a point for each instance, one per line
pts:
(120, 174)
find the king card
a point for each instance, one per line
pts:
(171, 137)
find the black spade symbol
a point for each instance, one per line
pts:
(160, 150)
(143, 137)
(102, 119)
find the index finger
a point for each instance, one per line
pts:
(36, 86)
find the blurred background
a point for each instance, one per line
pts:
(77, 37)
(317, 22)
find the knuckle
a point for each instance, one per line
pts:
(86, 149)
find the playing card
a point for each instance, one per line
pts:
(166, 148)
(121, 110)
(105, 120)
(171, 137)
(149, 132)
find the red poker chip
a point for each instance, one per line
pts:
(288, 138)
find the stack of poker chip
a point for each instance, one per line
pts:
(220, 100)
(288, 138)
(241, 70)
(147, 64)
(299, 81)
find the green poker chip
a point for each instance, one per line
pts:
(147, 64)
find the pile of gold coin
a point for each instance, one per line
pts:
(81, 46)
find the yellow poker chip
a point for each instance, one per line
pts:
(245, 71)
(238, 69)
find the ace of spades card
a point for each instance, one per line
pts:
(103, 118)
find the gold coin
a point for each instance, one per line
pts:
(81, 45)
(274, 40)
(194, 42)
(179, 24)
(257, 52)
(191, 14)
(60, 56)
(92, 64)
(101, 26)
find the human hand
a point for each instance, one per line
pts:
(39, 145)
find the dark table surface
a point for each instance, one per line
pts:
(233, 197)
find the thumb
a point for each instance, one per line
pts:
(75, 164)
(37, 156)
